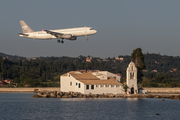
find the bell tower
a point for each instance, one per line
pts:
(131, 78)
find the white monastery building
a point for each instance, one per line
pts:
(99, 82)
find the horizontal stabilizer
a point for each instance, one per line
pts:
(23, 35)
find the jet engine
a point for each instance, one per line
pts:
(67, 36)
(73, 38)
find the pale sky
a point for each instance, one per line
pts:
(122, 25)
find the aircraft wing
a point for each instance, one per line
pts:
(54, 33)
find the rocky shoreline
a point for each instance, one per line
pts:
(55, 94)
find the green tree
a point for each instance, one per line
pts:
(22, 77)
(17, 80)
(1, 60)
(138, 58)
(125, 87)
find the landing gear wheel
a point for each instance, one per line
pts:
(58, 41)
(62, 42)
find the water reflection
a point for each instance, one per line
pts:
(132, 99)
(88, 99)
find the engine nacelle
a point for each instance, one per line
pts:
(73, 38)
(67, 36)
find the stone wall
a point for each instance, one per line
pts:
(150, 90)
(163, 90)
(28, 89)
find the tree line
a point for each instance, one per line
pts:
(45, 71)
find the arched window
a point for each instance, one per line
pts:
(131, 75)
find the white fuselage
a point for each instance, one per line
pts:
(81, 31)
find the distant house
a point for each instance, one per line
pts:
(144, 70)
(27, 85)
(121, 58)
(113, 67)
(30, 59)
(88, 59)
(156, 62)
(2, 82)
(8, 81)
(98, 60)
(154, 71)
(118, 74)
(85, 71)
(106, 60)
(5, 82)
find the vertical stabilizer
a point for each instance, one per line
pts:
(25, 27)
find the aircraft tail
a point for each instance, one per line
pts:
(25, 27)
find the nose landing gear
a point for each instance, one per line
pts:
(86, 37)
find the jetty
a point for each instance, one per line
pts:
(56, 94)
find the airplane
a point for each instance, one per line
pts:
(69, 34)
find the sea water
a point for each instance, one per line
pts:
(22, 106)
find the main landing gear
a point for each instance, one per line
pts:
(60, 41)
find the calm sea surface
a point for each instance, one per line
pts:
(21, 106)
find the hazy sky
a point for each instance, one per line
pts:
(122, 25)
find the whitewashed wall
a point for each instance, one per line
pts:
(65, 83)
(104, 89)
(66, 87)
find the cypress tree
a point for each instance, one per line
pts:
(138, 58)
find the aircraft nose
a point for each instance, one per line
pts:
(95, 31)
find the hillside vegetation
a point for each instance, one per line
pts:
(161, 70)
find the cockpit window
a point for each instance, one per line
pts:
(91, 29)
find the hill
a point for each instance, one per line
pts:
(160, 69)
(12, 57)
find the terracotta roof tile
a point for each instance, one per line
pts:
(89, 78)
(110, 81)
(84, 76)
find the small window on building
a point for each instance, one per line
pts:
(79, 85)
(102, 85)
(87, 87)
(92, 87)
(117, 85)
(107, 85)
(70, 83)
(76, 84)
(97, 85)
(112, 85)
(69, 75)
